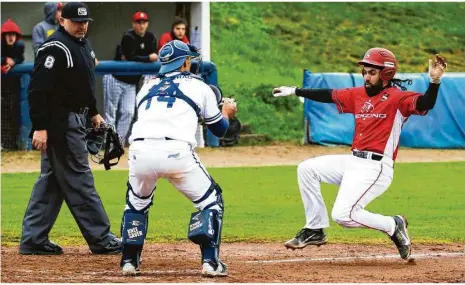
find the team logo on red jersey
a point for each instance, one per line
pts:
(385, 97)
(367, 112)
(367, 107)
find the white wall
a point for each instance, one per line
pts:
(200, 27)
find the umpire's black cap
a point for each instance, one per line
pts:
(76, 12)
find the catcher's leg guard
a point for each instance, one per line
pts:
(205, 226)
(134, 228)
(135, 225)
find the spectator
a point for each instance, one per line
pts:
(12, 46)
(44, 29)
(120, 91)
(12, 54)
(178, 32)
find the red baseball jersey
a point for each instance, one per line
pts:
(378, 119)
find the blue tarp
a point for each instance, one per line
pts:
(207, 70)
(442, 127)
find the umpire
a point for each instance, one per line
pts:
(61, 94)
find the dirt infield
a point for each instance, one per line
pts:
(248, 262)
(277, 154)
(268, 262)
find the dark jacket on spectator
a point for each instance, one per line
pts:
(16, 51)
(136, 48)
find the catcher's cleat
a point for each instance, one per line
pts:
(212, 269)
(401, 238)
(307, 237)
(129, 269)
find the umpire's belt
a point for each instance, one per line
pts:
(367, 155)
(79, 110)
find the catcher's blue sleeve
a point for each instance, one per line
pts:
(219, 128)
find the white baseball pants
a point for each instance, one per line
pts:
(361, 181)
(152, 159)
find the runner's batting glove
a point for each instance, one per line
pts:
(437, 67)
(284, 91)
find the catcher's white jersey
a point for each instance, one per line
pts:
(174, 118)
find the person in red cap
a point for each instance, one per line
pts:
(380, 108)
(119, 91)
(12, 46)
(178, 32)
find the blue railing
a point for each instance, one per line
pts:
(207, 71)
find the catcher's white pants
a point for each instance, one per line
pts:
(120, 104)
(152, 159)
(361, 181)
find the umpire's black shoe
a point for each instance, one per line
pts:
(401, 238)
(307, 237)
(113, 247)
(47, 248)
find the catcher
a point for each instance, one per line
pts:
(162, 144)
(381, 107)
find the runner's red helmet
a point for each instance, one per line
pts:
(383, 58)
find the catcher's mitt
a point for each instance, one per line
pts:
(104, 144)
(233, 133)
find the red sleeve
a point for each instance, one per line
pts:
(408, 104)
(344, 100)
(164, 39)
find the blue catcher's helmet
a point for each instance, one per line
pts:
(173, 55)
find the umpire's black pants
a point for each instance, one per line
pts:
(66, 175)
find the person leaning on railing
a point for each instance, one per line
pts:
(119, 91)
(12, 54)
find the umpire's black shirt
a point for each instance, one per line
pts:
(63, 81)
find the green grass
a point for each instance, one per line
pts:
(264, 204)
(269, 44)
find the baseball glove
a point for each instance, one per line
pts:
(104, 144)
(232, 134)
